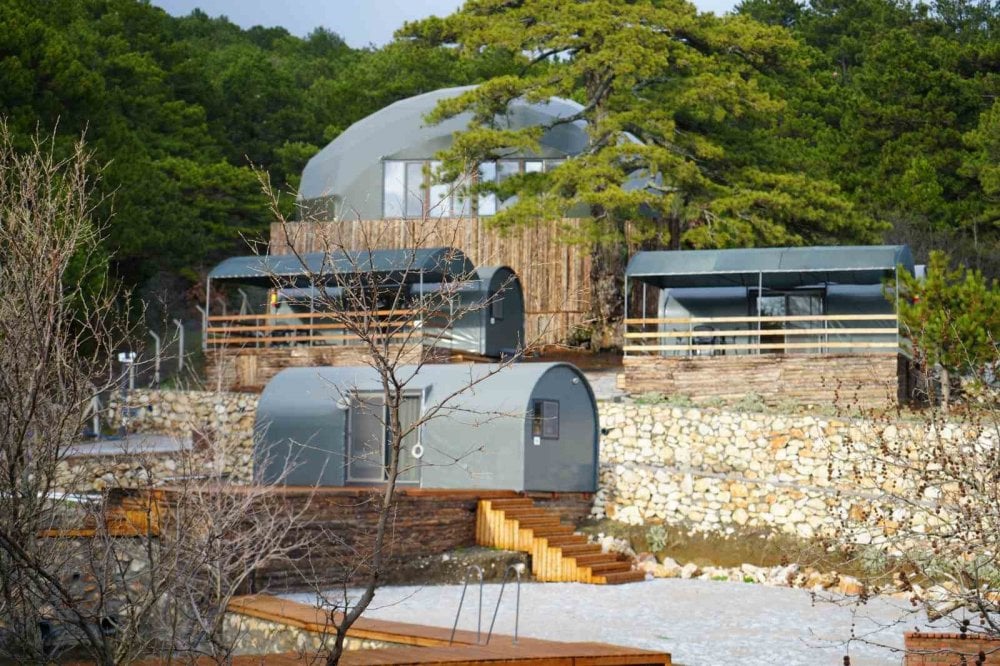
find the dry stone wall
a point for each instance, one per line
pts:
(710, 469)
(198, 433)
(722, 471)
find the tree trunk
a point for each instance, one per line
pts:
(945, 378)
(607, 279)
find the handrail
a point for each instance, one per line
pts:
(311, 315)
(479, 620)
(754, 319)
(517, 605)
(747, 334)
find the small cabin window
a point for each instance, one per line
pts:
(496, 305)
(545, 419)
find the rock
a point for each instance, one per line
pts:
(690, 570)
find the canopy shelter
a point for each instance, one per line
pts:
(426, 264)
(771, 267)
(527, 426)
(436, 292)
(765, 300)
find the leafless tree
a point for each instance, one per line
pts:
(398, 333)
(59, 332)
(111, 580)
(934, 532)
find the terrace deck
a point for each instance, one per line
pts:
(420, 644)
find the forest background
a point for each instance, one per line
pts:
(889, 108)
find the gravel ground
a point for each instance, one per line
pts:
(701, 623)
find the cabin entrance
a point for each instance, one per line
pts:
(369, 439)
(783, 308)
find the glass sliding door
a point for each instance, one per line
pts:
(366, 450)
(370, 440)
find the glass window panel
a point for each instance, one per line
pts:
(415, 193)
(496, 305)
(552, 164)
(440, 201)
(367, 441)
(393, 188)
(507, 168)
(487, 204)
(533, 166)
(545, 419)
(461, 203)
(409, 466)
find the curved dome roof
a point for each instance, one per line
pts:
(349, 167)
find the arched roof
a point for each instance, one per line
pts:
(399, 131)
(469, 389)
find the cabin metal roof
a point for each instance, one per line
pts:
(776, 267)
(432, 264)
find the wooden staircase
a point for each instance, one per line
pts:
(557, 553)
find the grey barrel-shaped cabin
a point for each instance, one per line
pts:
(527, 426)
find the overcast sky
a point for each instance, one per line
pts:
(359, 22)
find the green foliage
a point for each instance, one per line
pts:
(691, 88)
(952, 317)
(899, 114)
(180, 108)
(656, 538)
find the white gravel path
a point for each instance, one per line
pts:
(701, 623)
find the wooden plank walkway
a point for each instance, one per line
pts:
(425, 645)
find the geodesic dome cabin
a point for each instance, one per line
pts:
(528, 426)
(480, 311)
(378, 167)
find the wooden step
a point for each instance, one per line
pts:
(604, 568)
(577, 549)
(588, 559)
(569, 540)
(619, 578)
(554, 531)
(557, 552)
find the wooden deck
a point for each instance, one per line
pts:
(421, 644)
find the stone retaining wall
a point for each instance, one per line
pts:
(721, 471)
(251, 635)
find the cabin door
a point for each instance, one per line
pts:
(369, 440)
(785, 307)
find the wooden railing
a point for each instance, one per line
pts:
(818, 334)
(313, 328)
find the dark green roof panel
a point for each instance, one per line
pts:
(777, 266)
(430, 264)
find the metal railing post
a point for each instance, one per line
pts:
(517, 606)
(479, 619)
(156, 358)
(180, 344)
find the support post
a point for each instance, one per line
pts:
(625, 319)
(204, 327)
(180, 344)
(760, 294)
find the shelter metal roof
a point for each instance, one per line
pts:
(431, 263)
(777, 267)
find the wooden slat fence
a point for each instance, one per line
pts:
(816, 334)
